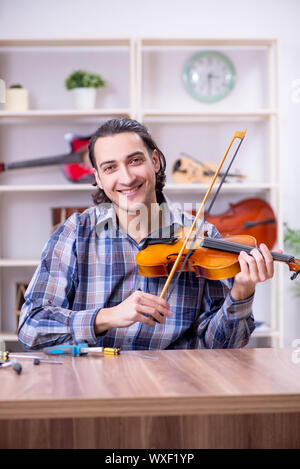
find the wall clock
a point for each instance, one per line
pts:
(209, 76)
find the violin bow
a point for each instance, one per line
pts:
(237, 135)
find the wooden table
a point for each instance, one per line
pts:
(243, 398)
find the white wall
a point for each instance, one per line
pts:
(190, 18)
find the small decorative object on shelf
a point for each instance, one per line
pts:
(20, 290)
(83, 85)
(209, 76)
(60, 214)
(16, 99)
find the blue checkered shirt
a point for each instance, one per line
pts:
(89, 264)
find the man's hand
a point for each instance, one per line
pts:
(257, 267)
(139, 306)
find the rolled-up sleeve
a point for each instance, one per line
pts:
(224, 323)
(47, 317)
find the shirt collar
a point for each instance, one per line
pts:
(173, 218)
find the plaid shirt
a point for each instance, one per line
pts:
(89, 264)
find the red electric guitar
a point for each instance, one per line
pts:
(75, 165)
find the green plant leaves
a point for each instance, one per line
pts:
(84, 79)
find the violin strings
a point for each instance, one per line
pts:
(229, 246)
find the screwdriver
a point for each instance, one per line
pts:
(80, 349)
(5, 356)
(84, 349)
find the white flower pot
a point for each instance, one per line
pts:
(16, 99)
(84, 98)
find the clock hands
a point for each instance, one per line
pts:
(210, 77)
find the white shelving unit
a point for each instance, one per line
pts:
(41, 66)
(175, 118)
(144, 82)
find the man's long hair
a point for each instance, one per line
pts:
(118, 126)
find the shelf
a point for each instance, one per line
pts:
(19, 262)
(168, 108)
(68, 42)
(215, 41)
(8, 336)
(46, 188)
(46, 113)
(191, 188)
(147, 113)
(183, 114)
(265, 331)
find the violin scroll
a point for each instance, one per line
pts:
(294, 267)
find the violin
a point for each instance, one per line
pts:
(188, 170)
(211, 258)
(254, 217)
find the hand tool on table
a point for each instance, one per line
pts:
(79, 349)
(17, 367)
(84, 349)
(37, 361)
(6, 356)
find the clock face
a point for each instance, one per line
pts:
(209, 76)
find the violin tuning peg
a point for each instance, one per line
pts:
(295, 274)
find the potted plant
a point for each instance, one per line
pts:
(16, 98)
(83, 85)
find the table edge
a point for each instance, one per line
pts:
(149, 406)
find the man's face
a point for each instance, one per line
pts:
(126, 171)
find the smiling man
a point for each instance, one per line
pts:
(87, 287)
(126, 174)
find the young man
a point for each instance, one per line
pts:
(87, 287)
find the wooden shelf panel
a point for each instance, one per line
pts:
(19, 262)
(68, 42)
(186, 113)
(46, 188)
(231, 187)
(8, 336)
(189, 42)
(191, 188)
(37, 113)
